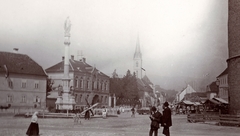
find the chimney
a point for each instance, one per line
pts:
(63, 58)
(72, 57)
(15, 50)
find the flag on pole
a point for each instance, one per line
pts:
(143, 69)
(7, 72)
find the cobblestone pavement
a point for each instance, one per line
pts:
(123, 125)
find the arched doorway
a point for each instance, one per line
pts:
(95, 99)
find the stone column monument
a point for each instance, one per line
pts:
(66, 101)
(234, 56)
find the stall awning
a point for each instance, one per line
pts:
(197, 103)
(213, 101)
(220, 100)
(188, 102)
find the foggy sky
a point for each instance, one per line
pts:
(182, 41)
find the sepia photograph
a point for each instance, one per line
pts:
(119, 68)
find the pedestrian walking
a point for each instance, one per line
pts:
(133, 112)
(33, 129)
(155, 118)
(104, 113)
(166, 119)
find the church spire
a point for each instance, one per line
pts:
(137, 60)
(137, 54)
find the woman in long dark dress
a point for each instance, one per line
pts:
(33, 129)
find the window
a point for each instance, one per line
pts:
(37, 99)
(24, 99)
(101, 99)
(81, 83)
(105, 99)
(103, 85)
(10, 84)
(80, 98)
(100, 86)
(24, 83)
(88, 85)
(76, 83)
(76, 97)
(36, 85)
(136, 64)
(92, 85)
(97, 85)
(9, 98)
(106, 86)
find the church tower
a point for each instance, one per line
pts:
(137, 60)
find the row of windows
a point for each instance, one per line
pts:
(91, 85)
(10, 99)
(223, 92)
(79, 98)
(223, 81)
(23, 84)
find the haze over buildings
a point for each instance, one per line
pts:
(181, 41)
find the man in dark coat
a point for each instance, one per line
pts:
(166, 119)
(155, 121)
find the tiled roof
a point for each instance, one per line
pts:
(142, 85)
(19, 64)
(75, 66)
(213, 87)
(224, 72)
(146, 79)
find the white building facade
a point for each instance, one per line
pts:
(23, 82)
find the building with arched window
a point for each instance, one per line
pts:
(88, 84)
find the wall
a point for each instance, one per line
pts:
(234, 56)
(17, 92)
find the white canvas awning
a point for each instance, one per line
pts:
(220, 100)
(188, 102)
(197, 103)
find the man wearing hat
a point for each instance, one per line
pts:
(166, 119)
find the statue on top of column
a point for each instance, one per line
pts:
(67, 27)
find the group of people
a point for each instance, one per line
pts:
(158, 119)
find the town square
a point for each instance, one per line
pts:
(109, 67)
(123, 125)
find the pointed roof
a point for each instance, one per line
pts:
(19, 64)
(75, 66)
(225, 72)
(213, 87)
(146, 79)
(142, 85)
(137, 53)
(188, 89)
